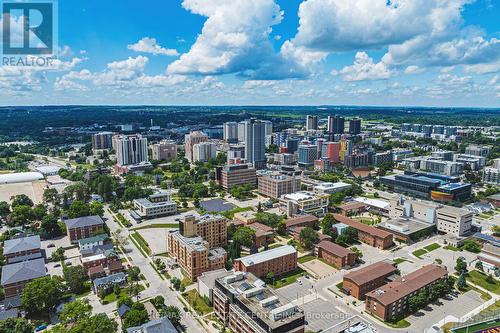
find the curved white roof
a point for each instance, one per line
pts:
(20, 177)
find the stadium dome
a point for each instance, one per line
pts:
(20, 177)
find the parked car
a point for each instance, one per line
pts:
(51, 245)
(40, 328)
(57, 265)
(68, 263)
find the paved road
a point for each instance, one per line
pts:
(157, 285)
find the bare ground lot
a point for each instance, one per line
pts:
(34, 190)
(319, 269)
(156, 238)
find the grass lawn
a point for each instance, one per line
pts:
(287, 278)
(122, 220)
(418, 253)
(86, 292)
(340, 285)
(230, 213)
(197, 302)
(398, 261)
(123, 293)
(479, 279)
(273, 246)
(306, 258)
(432, 247)
(402, 323)
(451, 248)
(141, 242)
(159, 225)
(366, 220)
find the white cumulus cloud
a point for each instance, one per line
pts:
(150, 45)
(364, 69)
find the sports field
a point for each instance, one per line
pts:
(492, 326)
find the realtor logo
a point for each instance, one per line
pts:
(28, 28)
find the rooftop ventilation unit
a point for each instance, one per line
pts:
(269, 301)
(238, 276)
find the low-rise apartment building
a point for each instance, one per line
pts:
(367, 234)
(245, 305)
(279, 260)
(302, 221)
(156, 205)
(274, 186)
(84, 227)
(236, 175)
(22, 249)
(390, 301)
(16, 276)
(334, 254)
(368, 278)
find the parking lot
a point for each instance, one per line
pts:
(52, 244)
(457, 306)
(296, 290)
(321, 315)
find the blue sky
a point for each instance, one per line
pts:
(269, 52)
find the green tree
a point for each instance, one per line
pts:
(78, 209)
(75, 278)
(133, 273)
(42, 294)
(495, 229)
(16, 325)
(461, 283)
(21, 214)
(96, 208)
(39, 211)
(173, 313)
(472, 246)
(358, 252)
(269, 219)
(4, 208)
(20, 200)
(49, 227)
(326, 224)
(461, 266)
(135, 317)
(50, 195)
(244, 236)
(98, 323)
(58, 254)
(308, 237)
(479, 265)
(75, 311)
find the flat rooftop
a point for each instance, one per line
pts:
(405, 226)
(261, 300)
(263, 256)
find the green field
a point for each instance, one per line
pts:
(418, 253)
(287, 278)
(481, 327)
(197, 302)
(141, 243)
(479, 279)
(432, 247)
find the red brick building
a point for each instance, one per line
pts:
(264, 235)
(335, 254)
(390, 301)
(367, 234)
(302, 221)
(16, 276)
(84, 227)
(22, 249)
(279, 260)
(366, 279)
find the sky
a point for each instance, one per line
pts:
(268, 52)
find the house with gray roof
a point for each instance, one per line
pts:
(16, 276)
(22, 249)
(160, 325)
(84, 227)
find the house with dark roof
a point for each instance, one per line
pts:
(334, 254)
(22, 249)
(160, 325)
(359, 282)
(16, 276)
(109, 281)
(84, 227)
